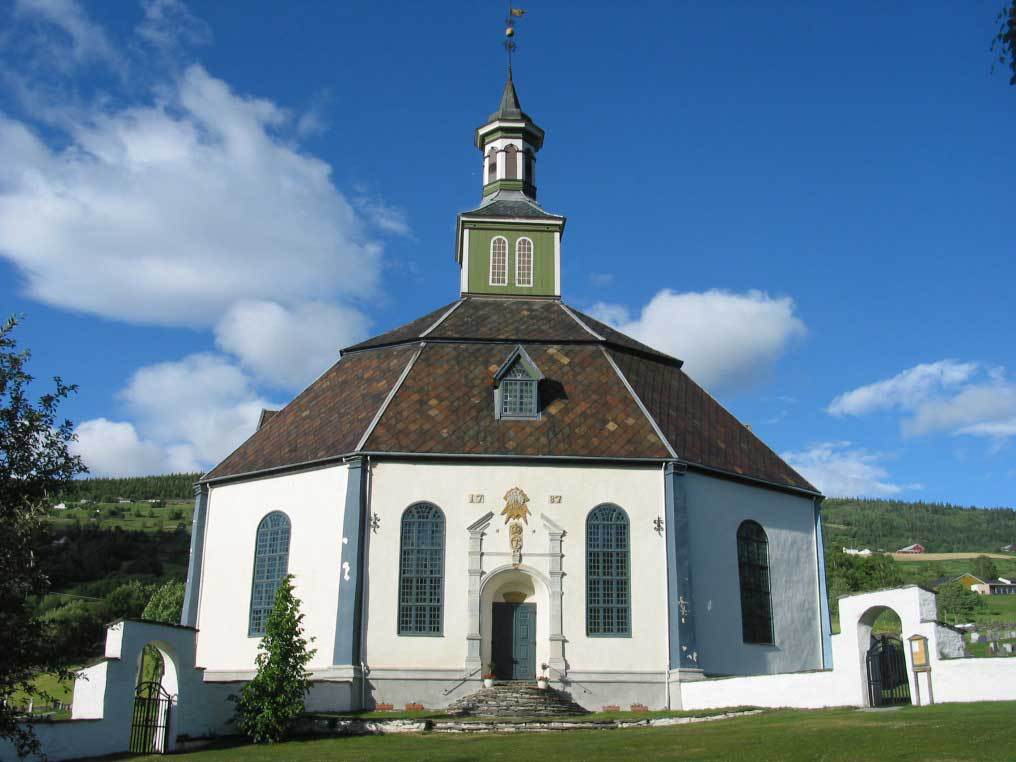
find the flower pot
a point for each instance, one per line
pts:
(488, 682)
(541, 683)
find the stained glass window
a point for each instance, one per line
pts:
(421, 570)
(271, 563)
(499, 262)
(753, 570)
(524, 262)
(608, 586)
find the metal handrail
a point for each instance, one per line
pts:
(465, 679)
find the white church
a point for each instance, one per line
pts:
(506, 486)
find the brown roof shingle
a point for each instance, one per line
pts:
(446, 405)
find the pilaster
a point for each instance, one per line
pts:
(680, 603)
(557, 640)
(192, 591)
(825, 625)
(350, 605)
(475, 559)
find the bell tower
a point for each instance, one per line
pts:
(509, 245)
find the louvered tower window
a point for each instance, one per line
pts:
(499, 261)
(753, 570)
(511, 162)
(524, 262)
(271, 563)
(421, 570)
(608, 584)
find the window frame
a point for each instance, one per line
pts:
(518, 261)
(404, 573)
(251, 631)
(754, 580)
(490, 264)
(591, 519)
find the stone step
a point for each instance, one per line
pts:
(515, 699)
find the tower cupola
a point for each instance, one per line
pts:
(509, 245)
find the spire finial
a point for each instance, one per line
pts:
(509, 33)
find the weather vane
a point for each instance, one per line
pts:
(509, 33)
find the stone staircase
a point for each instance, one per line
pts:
(515, 698)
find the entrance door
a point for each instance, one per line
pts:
(513, 644)
(887, 672)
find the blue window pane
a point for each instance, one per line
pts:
(608, 605)
(271, 563)
(421, 570)
(753, 573)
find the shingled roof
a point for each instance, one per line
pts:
(425, 388)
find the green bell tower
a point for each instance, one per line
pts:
(509, 246)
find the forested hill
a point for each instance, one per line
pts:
(164, 487)
(893, 524)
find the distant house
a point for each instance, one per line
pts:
(856, 552)
(1001, 586)
(968, 580)
(915, 548)
(1009, 548)
(60, 507)
(122, 500)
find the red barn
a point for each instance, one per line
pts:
(915, 548)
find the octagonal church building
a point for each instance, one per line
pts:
(507, 486)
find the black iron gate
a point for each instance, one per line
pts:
(150, 722)
(887, 672)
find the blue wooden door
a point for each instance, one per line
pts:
(524, 642)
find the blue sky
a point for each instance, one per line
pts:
(811, 204)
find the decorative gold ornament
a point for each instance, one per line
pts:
(515, 505)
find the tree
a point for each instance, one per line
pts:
(957, 602)
(985, 569)
(35, 463)
(1005, 40)
(166, 603)
(268, 704)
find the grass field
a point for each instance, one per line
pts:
(131, 517)
(909, 557)
(958, 732)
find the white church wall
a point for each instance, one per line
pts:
(716, 507)
(314, 502)
(397, 485)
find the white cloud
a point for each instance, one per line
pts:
(112, 448)
(169, 25)
(904, 390)
(187, 415)
(726, 339)
(839, 470)
(88, 41)
(944, 396)
(288, 347)
(171, 212)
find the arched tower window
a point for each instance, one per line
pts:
(271, 563)
(499, 261)
(753, 570)
(511, 162)
(608, 583)
(491, 165)
(421, 570)
(524, 262)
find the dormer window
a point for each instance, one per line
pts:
(517, 388)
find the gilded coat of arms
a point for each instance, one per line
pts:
(515, 505)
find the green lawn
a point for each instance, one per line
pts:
(958, 733)
(131, 517)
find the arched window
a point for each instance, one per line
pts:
(753, 570)
(511, 162)
(524, 262)
(608, 598)
(491, 165)
(499, 261)
(421, 570)
(271, 563)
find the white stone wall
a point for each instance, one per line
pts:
(716, 508)
(639, 491)
(314, 501)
